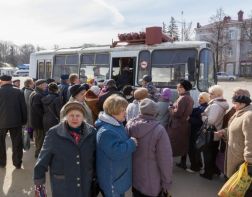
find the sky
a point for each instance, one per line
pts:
(69, 23)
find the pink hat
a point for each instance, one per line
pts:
(166, 93)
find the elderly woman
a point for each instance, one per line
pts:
(69, 152)
(213, 114)
(152, 161)
(239, 136)
(78, 94)
(163, 104)
(132, 110)
(178, 129)
(196, 123)
(114, 148)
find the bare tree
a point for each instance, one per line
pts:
(218, 36)
(246, 27)
(187, 31)
(25, 52)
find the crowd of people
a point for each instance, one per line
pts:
(96, 139)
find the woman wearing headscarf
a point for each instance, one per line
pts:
(164, 101)
(179, 129)
(238, 136)
(69, 152)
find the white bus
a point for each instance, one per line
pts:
(166, 62)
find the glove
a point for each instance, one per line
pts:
(250, 170)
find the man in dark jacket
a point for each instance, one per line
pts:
(37, 113)
(13, 115)
(110, 86)
(63, 87)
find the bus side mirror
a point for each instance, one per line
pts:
(191, 66)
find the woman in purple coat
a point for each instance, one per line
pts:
(152, 161)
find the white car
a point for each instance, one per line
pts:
(21, 73)
(225, 76)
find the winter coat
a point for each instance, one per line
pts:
(132, 110)
(239, 140)
(113, 156)
(27, 93)
(51, 108)
(91, 99)
(179, 128)
(152, 160)
(195, 118)
(37, 108)
(152, 90)
(215, 112)
(13, 112)
(163, 115)
(71, 165)
(88, 113)
(103, 97)
(63, 87)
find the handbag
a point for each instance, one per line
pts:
(26, 140)
(205, 136)
(164, 194)
(40, 191)
(237, 184)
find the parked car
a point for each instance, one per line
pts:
(225, 76)
(21, 73)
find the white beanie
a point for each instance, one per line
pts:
(96, 90)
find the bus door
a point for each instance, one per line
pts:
(123, 71)
(44, 69)
(144, 65)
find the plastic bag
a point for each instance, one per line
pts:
(237, 184)
(26, 140)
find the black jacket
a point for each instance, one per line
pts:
(51, 107)
(37, 108)
(13, 112)
(110, 91)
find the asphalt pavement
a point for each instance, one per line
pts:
(18, 183)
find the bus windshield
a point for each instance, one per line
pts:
(169, 66)
(207, 76)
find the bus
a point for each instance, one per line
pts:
(166, 62)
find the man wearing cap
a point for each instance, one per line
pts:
(110, 88)
(13, 115)
(37, 113)
(147, 83)
(63, 87)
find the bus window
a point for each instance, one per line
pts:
(94, 66)
(41, 69)
(65, 64)
(206, 70)
(123, 71)
(143, 65)
(169, 66)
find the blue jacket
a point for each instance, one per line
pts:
(114, 151)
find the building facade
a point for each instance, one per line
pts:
(235, 54)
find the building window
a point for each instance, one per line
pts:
(230, 34)
(230, 52)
